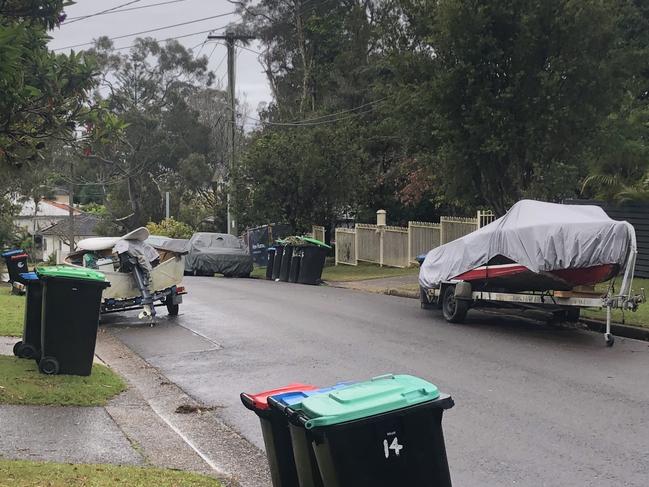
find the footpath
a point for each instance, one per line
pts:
(152, 424)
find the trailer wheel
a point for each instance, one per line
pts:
(572, 314)
(454, 310)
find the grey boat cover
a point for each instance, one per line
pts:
(541, 236)
(211, 253)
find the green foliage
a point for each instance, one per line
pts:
(8, 231)
(170, 228)
(299, 175)
(43, 94)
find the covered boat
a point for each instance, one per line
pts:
(144, 271)
(536, 246)
(539, 255)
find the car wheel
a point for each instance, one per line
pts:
(454, 310)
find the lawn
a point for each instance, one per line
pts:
(362, 271)
(22, 383)
(12, 310)
(18, 473)
(639, 318)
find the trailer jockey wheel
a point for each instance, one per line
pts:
(454, 310)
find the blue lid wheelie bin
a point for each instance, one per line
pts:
(70, 318)
(30, 345)
(385, 432)
(306, 466)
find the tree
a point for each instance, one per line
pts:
(149, 94)
(44, 95)
(511, 92)
(283, 178)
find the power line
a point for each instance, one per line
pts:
(76, 19)
(114, 10)
(321, 119)
(170, 38)
(151, 30)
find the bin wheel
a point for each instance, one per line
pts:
(172, 309)
(28, 351)
(49, 366)
(454, 310)
(18, 349)
(610, 339)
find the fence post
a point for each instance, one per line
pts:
(336, 247)
(409, 244)
(355, 245)
(381, 219)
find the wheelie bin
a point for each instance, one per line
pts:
(313, 259)
(285, 267)
(277, 440)
(269, 263)
(30, 345)
(308, 474)
(277, 262)
(16, 261)
(70, 317)
(296, 261)
(380, 433)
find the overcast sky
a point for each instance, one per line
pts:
(251, 82)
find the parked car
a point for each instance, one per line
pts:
(217, 253)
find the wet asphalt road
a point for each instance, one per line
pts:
(535, 405)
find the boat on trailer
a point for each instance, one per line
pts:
(539, 255)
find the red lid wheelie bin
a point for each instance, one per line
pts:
(277, 439)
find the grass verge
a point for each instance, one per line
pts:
(18, 473)
(22, 383)
(12, 312)
(639, 318)
(346, 273)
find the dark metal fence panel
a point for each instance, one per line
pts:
(637, 214)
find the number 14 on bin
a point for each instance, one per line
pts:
(392, 448)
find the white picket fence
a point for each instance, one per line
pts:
(400, 246)
(318, 232)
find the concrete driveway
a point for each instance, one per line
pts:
(535, 405)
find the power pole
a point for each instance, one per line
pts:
(71, 208)
(230, 39)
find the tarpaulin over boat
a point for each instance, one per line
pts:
(212, 253)
(541, 236)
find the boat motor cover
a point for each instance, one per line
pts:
(541, 236)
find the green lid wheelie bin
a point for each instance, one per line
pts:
(30, 345)
(274, 429)
(70, 317)
(314, 254)
(380, 433)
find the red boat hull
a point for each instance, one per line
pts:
(515, 277)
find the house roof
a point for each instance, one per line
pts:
(45, 208)
(84, 226)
